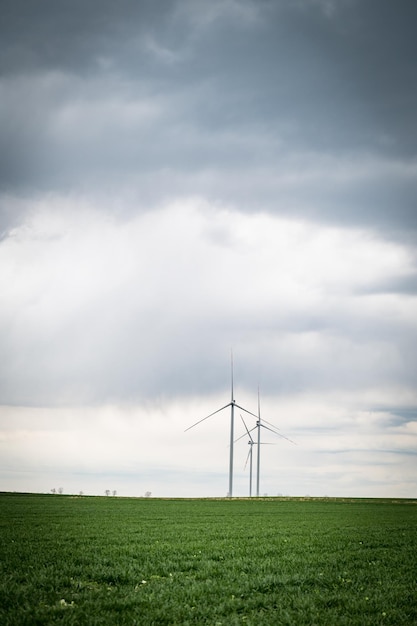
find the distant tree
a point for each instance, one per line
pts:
(107, 492)
(53, 490)
(114, 492)
(81, 493)
(148, 494)
(60, 490)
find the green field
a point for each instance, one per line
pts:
(92, 560)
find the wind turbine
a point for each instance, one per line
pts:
(249, 457)
(232, 405)
(251, 442)
(271, 428)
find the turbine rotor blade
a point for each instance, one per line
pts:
(278, 434)
(244, 434)
(271, 425)
(231, 369)
(271, 429)
(247, 458)
(207, 416)
(246, 410)
(248, 431)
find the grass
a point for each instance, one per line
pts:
(90, 560)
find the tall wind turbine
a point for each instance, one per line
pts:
(271, 428)
(251, 443)
(232, 405)
(249, 458)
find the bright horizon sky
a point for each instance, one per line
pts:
(183, 178)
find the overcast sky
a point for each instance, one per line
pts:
(182, 178)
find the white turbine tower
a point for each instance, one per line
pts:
(251, 443)
(272, 429)
(249, 458)
(232, 405)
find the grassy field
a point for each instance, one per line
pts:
(91, 560)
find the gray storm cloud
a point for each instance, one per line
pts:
(175, 100)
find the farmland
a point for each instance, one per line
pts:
(92, 560)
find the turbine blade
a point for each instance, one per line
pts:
(278, 434)
(271, 429)
(231, 370)
(246, 410)
(259, 404)
(207, 416)
(248, 431)
(271, 425)
(244, 434)
(247, 458)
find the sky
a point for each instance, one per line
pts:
(184, 178)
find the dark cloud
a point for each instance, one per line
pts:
(381, 63)
(72, 36)
(263, 105)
